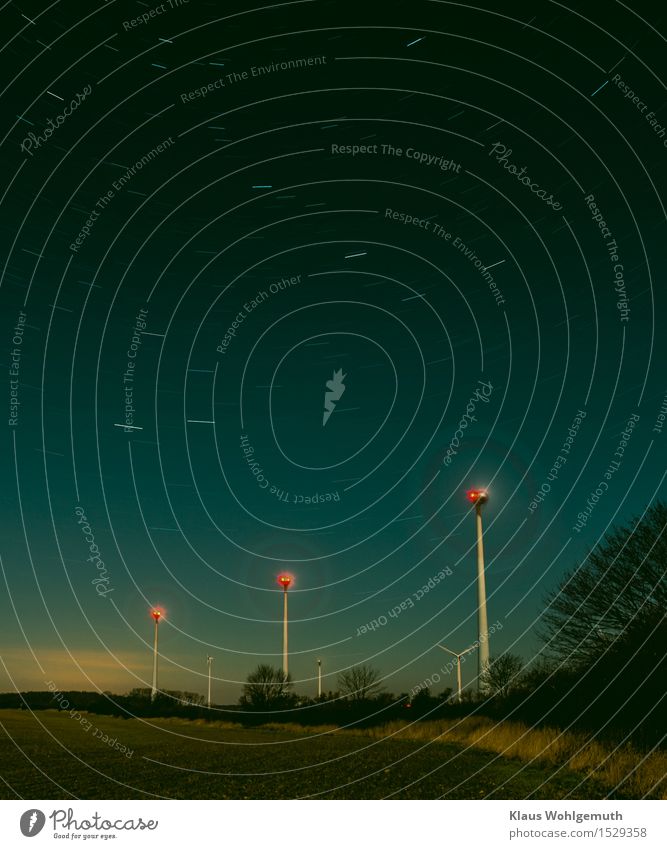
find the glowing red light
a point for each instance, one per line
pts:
(156, 614)
(284, 580)
(476, 495)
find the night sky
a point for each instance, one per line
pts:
(452, 214)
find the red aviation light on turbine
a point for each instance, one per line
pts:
(156, 614)
(285, 580)
(477, 496)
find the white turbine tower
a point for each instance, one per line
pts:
(209, 661)
(479, 497)
(156, 614)
(285, 580)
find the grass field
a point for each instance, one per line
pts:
(51, 755)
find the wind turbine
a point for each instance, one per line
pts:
(156, 614)
(479, 497)
(209, 661)
(285, 580)
(458, 656)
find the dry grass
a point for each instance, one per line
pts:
(636, 773)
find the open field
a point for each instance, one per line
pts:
(52, 755)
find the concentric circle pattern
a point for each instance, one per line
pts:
(280, 283)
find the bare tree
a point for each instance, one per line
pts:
(360, 682)
(266, 687)
(502, 675)
(618, 593)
